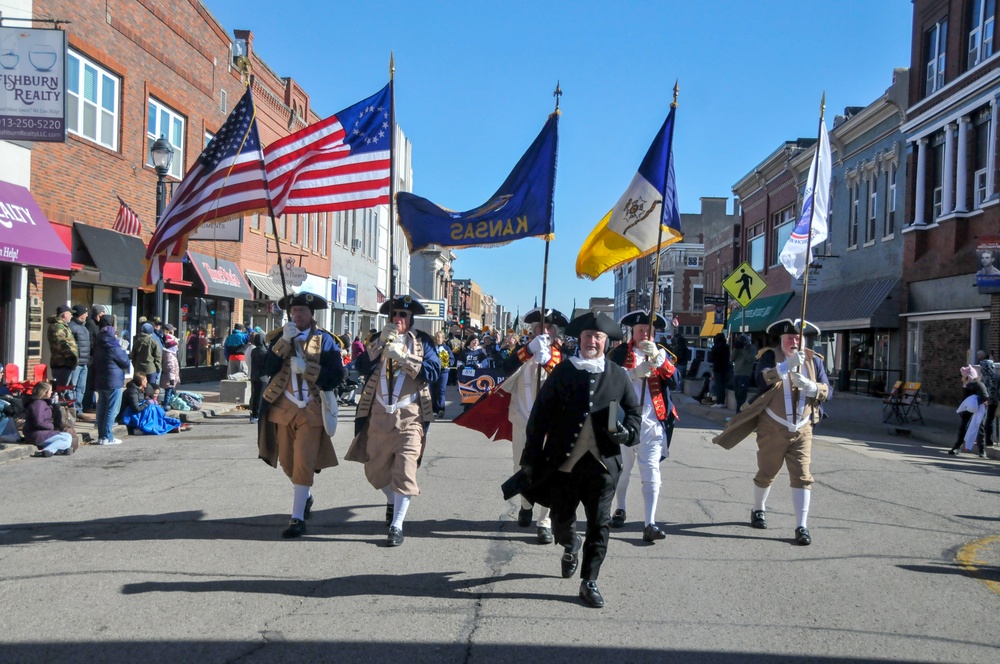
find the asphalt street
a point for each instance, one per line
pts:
(168, 549)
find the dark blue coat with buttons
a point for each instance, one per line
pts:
(567, 397)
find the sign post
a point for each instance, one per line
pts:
(744, 284)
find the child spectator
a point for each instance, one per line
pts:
(39, 428)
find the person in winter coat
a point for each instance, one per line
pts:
(170, 377)
(991, 379)
(78, 379)
(441, 384)
(142, 411)
(257, 377)
(146, 356)
(94, 327)
(63, 353)
(977, 395)
(235, 348)
(39, 429)
(744, 357)
(720, 359)
(109, 363)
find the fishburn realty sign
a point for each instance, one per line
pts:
(32, 84)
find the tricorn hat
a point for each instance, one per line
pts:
(594, 321)
(552, 316)
(642, 318)
(789, 326)
(402, 302)
(303, 299)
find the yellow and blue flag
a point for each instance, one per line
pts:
(631, 229)
(521, 207)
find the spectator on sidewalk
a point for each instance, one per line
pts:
(356, 349)
(971, 412)
(170, 377)
(235, 348)
(681, 352)
(63, 353)
(147, 358)
(988, 371)
(94, 327)
(721, 368)
(39, 425)
(441, 384)
(143, 412)
(78, 379)
(744, 358)
(257, 376)
(109, 362)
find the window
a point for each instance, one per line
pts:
(255, 221)
(306, 237)
(352, 293)
(293, 228)
(782, 225)
(322, 233)
(935, 44)
(697, 297)
(92, 100)
(755, 247)
(692, 261)
(981, 15)
(164, 121)
(982, 129)
(890, 203)
(224, 102)
(314, 225)
(937, 157)
(872, 207)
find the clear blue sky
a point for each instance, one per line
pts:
(474, 84)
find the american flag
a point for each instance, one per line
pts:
(341, 163)
(226, 181)
(127, 221)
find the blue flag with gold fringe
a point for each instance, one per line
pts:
(521, 207)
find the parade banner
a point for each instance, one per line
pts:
(33, 84)
(987, 272)
(474, 383)
(521, 207)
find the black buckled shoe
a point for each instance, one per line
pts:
(590, 595)
(802, 536)
(395, 537)
(524, 517)
(544, 535)
(757, 519)
(388, 514)
(296, 528)
(652, 533)
(618, 519)
(309, 507)
(571, 557)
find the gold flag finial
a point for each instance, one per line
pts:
(557, 93)
(677, 89)
(392, 66)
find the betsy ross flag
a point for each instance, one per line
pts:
(631, 229)
(226, 181)
(815, 209)
(127, 221)
(341, 163)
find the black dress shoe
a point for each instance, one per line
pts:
(524, 517)
(544, 535)
(802, 536)
(618, 519)
(296, 528)
(395, 537)
(652, 533)
(757, 519)
(571, 557)
(590, 595)
(388, 514)
(953, 451)
(309, 507)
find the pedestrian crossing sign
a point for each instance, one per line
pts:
(744, 284)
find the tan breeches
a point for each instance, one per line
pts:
(776, 444)
(298, 436)
(394, 444)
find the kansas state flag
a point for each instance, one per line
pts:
(521, 207)
(815, 209)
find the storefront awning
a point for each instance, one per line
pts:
(856, 307)
(221, 278)
(26, 237)
(116, 255)
(263, 283)
(710, 328)
(756, 316)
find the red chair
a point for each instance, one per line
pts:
(40, 371)
(11, 374)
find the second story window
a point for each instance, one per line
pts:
(890, 202)
(981, 15)
(92, 101)
(872, 207)
(161, 120)
(755, 247)
(852, 222)
(782, 225)
(935, 43)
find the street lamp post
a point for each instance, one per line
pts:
(449, 276)
(161, 153)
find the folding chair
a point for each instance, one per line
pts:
(890, 404)
(12, 379)
(908, 402)
(40, 371)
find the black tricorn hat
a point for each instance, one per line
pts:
(591, 321)
(552, 316)
(789, 326)
(303, 299)
(403, 302)
(642, 318)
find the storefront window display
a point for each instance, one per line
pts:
(205, 322)
(118, 300)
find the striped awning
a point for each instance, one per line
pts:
(262, 283)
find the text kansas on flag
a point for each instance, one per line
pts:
(631, 229)
(815, 209)
(521, 207)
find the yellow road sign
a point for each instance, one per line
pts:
(744, 284)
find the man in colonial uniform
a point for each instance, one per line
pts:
(792, 384)
(544, 349)
(651, 371)
(304, 361)
(572, 453)
(395, 409)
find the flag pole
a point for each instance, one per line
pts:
(545, 266)
(812, 214)
(392, 203)
(659, 248)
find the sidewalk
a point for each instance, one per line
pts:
(857, 417)
(211, 407)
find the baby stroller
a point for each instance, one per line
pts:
(348, 388)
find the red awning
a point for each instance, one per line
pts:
(173, 274)
(65, 234)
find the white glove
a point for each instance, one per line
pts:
(647, 348)
(289, 332)
(795, 360)
(641, 370)
(807, 386)
(389, 333)
(660, 358)
(395, 351)
(298, 365)
(539, 342)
